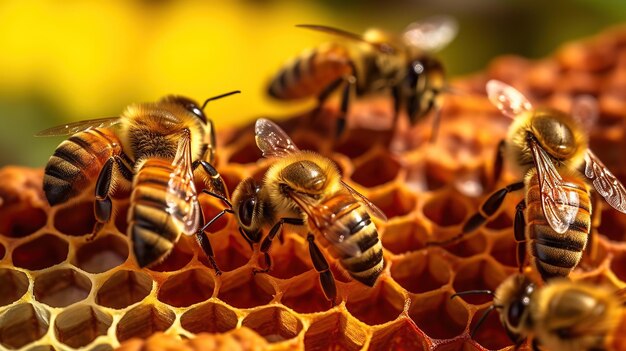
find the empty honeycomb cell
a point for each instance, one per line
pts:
(504, 250)
(377, 305)
(275, 324)
(395, 203)
(102, 254)
(438, 316)
(334, 332)
(379, 169)
(61, 287)
(187, 288)
(500, 222)
(42, 252)
(75, 219)
(404, 236)
(310, 300)
(421, 271)
(13, 285)
(246, 153)
(178, 258)
(307, 141)
(401, 335)
(471, 245)
(289, 259)
(21, 220)
(22, 324)
(445, 209)
(231, 254)
(123, 289)
(78, 326)
(245, 291)
(209, 317)
(43, 348)
(355, 144)
(491, 334)
(478, 274)
(143, 321)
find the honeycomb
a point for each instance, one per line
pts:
(63, 288)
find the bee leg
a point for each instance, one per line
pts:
(323, 96)
(487, 210)
(519, 229)
(103, 207)
(345, 102)
(498, 163)
(327, 280)
(215, 182)
(205, 243)
(434, 130)
(267, 242)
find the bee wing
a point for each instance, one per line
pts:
(73, 128)
(431, 34)
(373, 209)
(559, 205)
(605, 183)
(272, 140)
(507, 99)
(586, 111)
(181, 197)
(382, 47)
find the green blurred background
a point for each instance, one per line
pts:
(70, 60)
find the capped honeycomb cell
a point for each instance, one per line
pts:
(144, 320)
(334, 332)
(22, 324)
(13, 285)
(76, 219)
(187, 288)
(102, 254)
(79, 325)
(124, 288)
(209, 317)
(275, 324)
(42, 252)
(61, 288)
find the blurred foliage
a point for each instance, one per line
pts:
(70, 60)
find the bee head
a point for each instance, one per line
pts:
(514, 295)
(189, 105)
(246, 207)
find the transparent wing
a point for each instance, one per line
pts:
(272, 140)
(507, 99)
(605, 182)
(559, 205)
(73, 128)
(383, 47)
(373, 209)
(181, 197)
(586, 111)
(431, 34)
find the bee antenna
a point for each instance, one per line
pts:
(482, 319)
(219, 97)
(472, 292)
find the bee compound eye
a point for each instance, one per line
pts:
(515, 313)
(246, 211)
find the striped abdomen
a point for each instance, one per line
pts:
(76, 163)
(353, 223)
(309, 74)
(553, 254)
(152, 229)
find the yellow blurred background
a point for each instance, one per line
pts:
(66, 61)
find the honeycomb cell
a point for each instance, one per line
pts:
(78, 326)
(445, 210)
(102, 347)
(334, 332)
(178, 258)
(311, 300)
(13, 285)
(377, 305)
(102, 254)
(288, 260)
(42, 252)
(504, 250)
(478, 274)
(61, 287)
(613, 225)
(210, 210)
(500, 222)
(395, 203)
(22, 324)
(355, 145)
(419, 272)
(402, 335)
(491, 334)
(451, 316)
(245, 291)
(471, 245)
(404, 236)
(377, 170)
(209, 317)
(76, 219)
(236, 253)
(42, 348)
(187, 288)
(275, 324)
(123, 289)
(143, 321)
(247, 153)
(21, 220)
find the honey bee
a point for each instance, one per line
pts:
(305, 190)
(151, 149)
(562, 315)
(379, 61)
(549, 147)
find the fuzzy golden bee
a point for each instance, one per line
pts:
(379, 61)
(152, 149)
(304, 189)
(562, 315)
(549, 147)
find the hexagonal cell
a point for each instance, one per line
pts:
(246, 153)
(123, 289)
(491, 334)
(22, 324)
(472, 244)
(42, 252)
(275, 324)
(143, 321)
(405, 236)
(302, 300)
(76, 219)
(395, 203)
(500, 222)
(209, 317)
(187, 288)
(402, 335)
(61, 287)
(289, 259)
(179, 257)
(334, 332)
(80, 325)
(478, 274)
(445, 209)
(356, 144)
(230, 254)
(21, 220)
(377, 170)
(245, 290)
(102, 254)
(210, 209)
(13, 285)
(419, 272)
(377, 305)
(450, 314)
